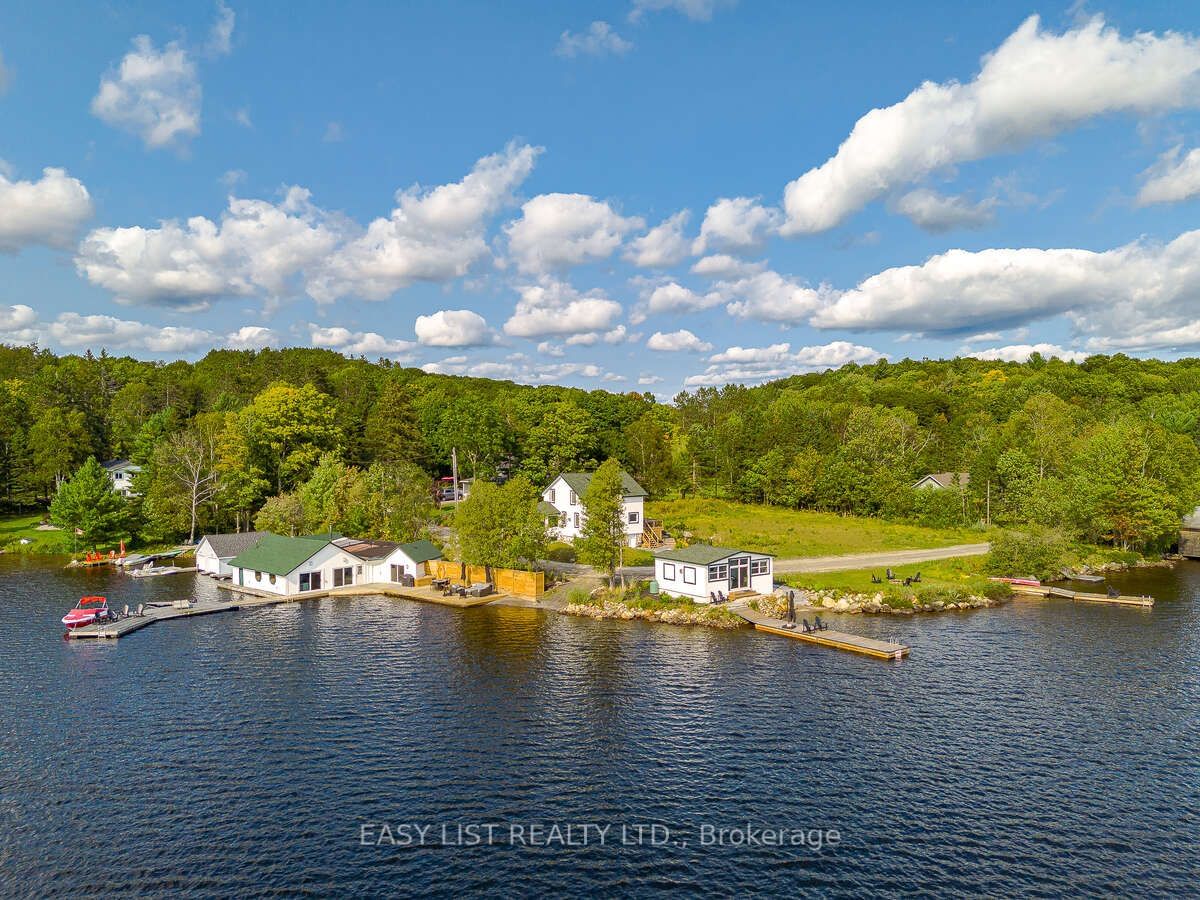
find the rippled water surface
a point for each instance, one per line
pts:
(1042, 748)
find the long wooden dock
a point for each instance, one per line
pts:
(250, 598)
(1081, 596)
(826, 637)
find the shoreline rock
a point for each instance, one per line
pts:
(875, 604)
(704, 616)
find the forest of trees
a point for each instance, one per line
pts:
(1104, 450)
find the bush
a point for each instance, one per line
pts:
(1021, 554)
(560, 552)
(997, 590)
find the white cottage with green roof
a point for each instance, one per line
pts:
(291, 566)
(562, 506)
(699, 571)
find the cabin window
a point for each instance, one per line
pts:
(668, 571)
(258, 576)
(397, 572)
(574, 499)
(310, 581)
(550, 495)
(719, 572)
(271, 578)
(634, 516)
(576, 519)
(358, 570)
(343, 576)
(689, 575)
(760, 567)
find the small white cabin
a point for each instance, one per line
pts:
(699, 571)
(565, 494)
(214, 551)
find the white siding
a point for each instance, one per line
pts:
(559, 495)
(678, 586)
(325, 561)
(206, 559)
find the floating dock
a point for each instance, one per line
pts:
(1081, 596)
(826, 637)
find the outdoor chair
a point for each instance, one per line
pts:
(721, 594)
(821, 626)
(917, 578)
(875, 579)
(713, 596)
(807, 627)
(125, 612)
(141, 610)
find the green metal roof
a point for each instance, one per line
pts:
(421, 551)
(279, 555)
(704, 554)
(579, 481)
(546, 508)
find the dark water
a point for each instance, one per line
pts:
(1039, 749)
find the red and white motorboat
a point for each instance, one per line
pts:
(89, 611)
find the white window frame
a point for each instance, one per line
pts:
(718, 572)
(634, 517)
(576, 521)
(668, 571)
(689, 574)
(574, 499)
(761, 566)
(550, 495)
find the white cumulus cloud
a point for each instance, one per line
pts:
(153, 93)
(557, 231)
(696, 10)
(770, 297)
(76, 330)
(552, 307)
(599, 40)
(741, 365)
(47, 211)
(737, 224)
(675, 341)
(662, 246)
(937, 213)
(1022, 352)
(1035, 85)
(365, 343)
(1173, 178)
(220, 36)
(252, 337)
(453, 328)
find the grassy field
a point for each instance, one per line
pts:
(13, 528)
(963, 572)
(794, 533)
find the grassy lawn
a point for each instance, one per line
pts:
(963, 572)
(13, 528)
(793, 533)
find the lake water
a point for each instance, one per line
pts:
(1042, 748)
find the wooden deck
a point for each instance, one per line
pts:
(837, 640)
(1081, 596)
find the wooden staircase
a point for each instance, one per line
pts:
(653, 537)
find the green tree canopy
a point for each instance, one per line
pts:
(87, 503)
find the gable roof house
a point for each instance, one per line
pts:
(941, 480)
(564, 499)
(699, 571)
(299, 565)
(120, 473)
(214, 551)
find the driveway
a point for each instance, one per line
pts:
(877, 560)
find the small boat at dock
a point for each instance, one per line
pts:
(88, 611)
(1024, 582)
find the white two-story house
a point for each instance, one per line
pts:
(565, 495)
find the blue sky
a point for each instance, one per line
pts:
(647, 194)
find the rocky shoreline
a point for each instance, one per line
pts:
(708, 616)
(875, 604)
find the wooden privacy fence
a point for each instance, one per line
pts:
(517, 582)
